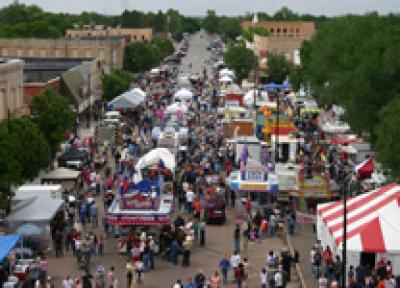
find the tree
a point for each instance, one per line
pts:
(211, 22)
(249, 33)
(388, 137)
(54, 116)
(33, 152)
(278, 67)
(10, 168)
(241, 60)
(116, 83)
(140, 57)
(164, 44)
(229, 27)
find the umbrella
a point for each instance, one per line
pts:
(29, 229)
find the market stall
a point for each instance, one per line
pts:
(372, 227)
(34, 219)
(254, 182)
(68, 178)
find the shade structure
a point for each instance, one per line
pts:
(272, 86)
(35, 209)
(365, 168)
(183, 94)
(234, 89)
(372, 222)
(226, 72)
(153, 158)
(7, 243)
(175, 107)
(248, 98)
(337, 127)
(128, 100)
(225, 79)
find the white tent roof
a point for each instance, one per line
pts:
(153, 158)
(175, 107)
(62, 174)
(372, 221)
(129, 99)
(335, 127)
(225, 79)
(35, 209)
(227, 72)
(183, 94)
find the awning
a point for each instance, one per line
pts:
(365, 168)
(7, 243)
(372, 221)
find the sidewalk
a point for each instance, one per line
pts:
(303, 240)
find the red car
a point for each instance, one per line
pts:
(214, 210)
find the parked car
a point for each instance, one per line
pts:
(214, 210)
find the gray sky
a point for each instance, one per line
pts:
(227, 7)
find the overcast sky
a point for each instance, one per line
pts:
(227, 7)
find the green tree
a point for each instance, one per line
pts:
(249, 33)
(278, 67)
(229, 27)
(388, 137)
(10, 167)
(140, 57)
(164, 44)
(241, 60)
(211, 22)
(33, 152)
(54, 116)
(115, 83)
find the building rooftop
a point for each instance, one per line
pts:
(45, 69)
(96, 37)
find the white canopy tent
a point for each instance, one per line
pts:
(153, 158)
(335, 127)
(129, 99)
(183, 94)
(175, 107)
(372, 225)
(227, 72)
(225, 79)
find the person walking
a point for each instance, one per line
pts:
(235, 260)
(236, 238)
(240, 275)
(215, 280)
(224, 267)
(200, 279)
(202, 228)
(263, 278)
(101, 243)
(187, 248)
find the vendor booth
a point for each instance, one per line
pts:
(68, 178)
(372, 227)
(35, 219)
(253, 181)
(73, 158)
(287, 147)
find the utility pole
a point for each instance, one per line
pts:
(344, 245)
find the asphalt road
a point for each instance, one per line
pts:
(219, 238)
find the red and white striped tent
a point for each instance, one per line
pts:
(373, 223)
(365, 168)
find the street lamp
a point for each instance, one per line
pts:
(344, 243)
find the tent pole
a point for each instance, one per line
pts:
(344, 245)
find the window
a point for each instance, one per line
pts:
(297, 30)
(278, 30)
(284, 30)
(271, 30)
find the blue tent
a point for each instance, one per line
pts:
(7, 243)
(272, 86)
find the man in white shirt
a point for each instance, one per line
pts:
(235, 261)
(264, 278)
(68, 282)
(278, 279)
(189, 200)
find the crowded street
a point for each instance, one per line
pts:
(185, 152)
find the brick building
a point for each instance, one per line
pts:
(11, 81)
(109, 50)
(285, 37)
(130, 34)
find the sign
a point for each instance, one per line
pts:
(304, 218)
(136, 219)
(254, 187)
